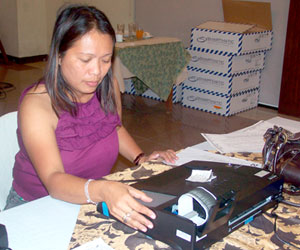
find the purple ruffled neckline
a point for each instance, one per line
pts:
(89, 126)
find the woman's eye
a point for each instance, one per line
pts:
(106, 60)
(85, 60)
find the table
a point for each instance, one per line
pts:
(258, 234)
(47, 223)
(157, 62)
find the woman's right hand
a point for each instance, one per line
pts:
(122, 202)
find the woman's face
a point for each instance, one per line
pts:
(86, 63)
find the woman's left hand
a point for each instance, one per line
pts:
(168, 156)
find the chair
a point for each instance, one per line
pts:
(8, 149)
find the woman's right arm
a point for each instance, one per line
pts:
(38, 123)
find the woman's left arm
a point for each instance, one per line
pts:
(117, 97)
(130, 150)
(128, 147)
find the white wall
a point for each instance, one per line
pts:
(271, 76)
(9, 25)
(26, 25)
(176, 18)
(32, 32)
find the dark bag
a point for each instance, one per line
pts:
(281, 155)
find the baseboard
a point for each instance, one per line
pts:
(30, 59)
(267, 106)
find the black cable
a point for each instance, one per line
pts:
(274, 215)
(290, 203)
(4, 88)
(2, 94)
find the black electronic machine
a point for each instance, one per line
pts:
(193, 215)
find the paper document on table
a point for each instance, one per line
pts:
(42, 224)
(249, 139)
(291, 125)
(192, 154)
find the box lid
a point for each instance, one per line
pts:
(229, 27)
(256, 13)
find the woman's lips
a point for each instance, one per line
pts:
(92, 83)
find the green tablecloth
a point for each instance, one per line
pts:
(156, 66)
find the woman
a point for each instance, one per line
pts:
(69, 128)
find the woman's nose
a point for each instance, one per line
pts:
(95, 68)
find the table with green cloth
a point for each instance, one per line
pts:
(258, 234)
(156, 63)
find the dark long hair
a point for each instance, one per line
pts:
(73, 22)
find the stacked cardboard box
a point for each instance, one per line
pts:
(224, 72)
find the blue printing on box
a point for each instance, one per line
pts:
(217, 94)
(230, 77)
(191, 68)
(221, 53)
(217, 113)
(224, 53)
(198, 70)
(174, 96)
(132, 89)
(240, 40)
(152, 97)
(175, 93)
(219, 73)
(222, 32)
(212, 51)
(228, 74)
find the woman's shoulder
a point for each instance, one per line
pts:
(37, 88)
(36, 96)
(36, 104)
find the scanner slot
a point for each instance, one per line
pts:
(249, 211)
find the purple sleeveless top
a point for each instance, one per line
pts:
(88, 145)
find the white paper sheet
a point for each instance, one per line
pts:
(43, 224)
(249, 139)
(291, 125)
(193, 154)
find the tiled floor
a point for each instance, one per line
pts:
(151, 123)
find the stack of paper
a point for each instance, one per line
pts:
(249, 139)
(193, 154)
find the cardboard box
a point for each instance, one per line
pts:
(129, 87)
(225, 63)
(176, 96)
(256, 13)
(213, 37)
(222, 84)
(217, 103)
(247, 28)
(151, 95)
(177, 93)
